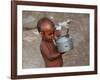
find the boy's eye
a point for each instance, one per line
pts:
(51, 33)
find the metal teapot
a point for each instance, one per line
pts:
(64, 42)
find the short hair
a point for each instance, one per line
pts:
(43, 20)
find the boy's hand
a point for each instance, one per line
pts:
(62, 52)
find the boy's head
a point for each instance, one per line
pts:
(46, 28)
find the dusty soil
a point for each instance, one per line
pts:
(79, 31)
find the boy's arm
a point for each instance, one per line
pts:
(45, 51)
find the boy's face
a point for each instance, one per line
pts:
(48, 31)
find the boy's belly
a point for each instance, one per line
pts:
(54, 63)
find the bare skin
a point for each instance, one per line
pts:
(51, 56)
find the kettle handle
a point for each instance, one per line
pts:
(67, 33)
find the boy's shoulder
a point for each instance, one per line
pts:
(44, 45)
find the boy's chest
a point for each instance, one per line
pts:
(51, 47)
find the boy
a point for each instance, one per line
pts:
(51, 56)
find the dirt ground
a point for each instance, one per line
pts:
(79, 31)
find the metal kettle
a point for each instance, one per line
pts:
(64, 41)
(64, 44)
